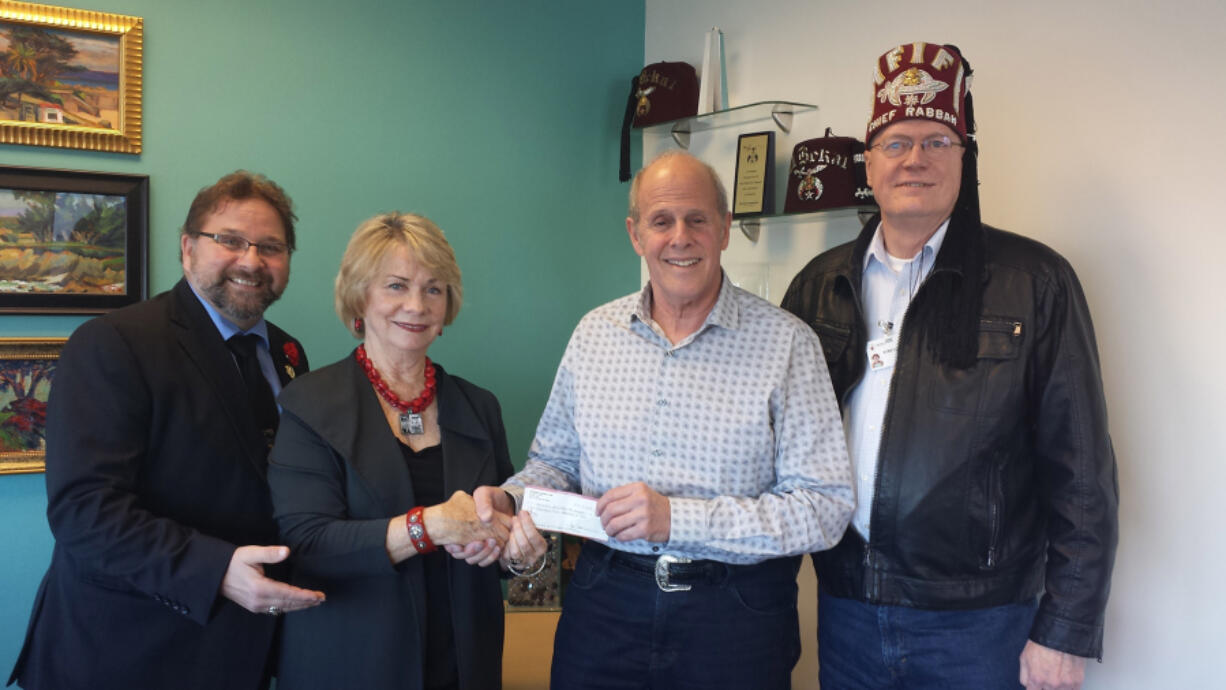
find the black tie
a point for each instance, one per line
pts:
(259, 394)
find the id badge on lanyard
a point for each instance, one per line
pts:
(882, 352)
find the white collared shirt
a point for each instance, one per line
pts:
(887, 287)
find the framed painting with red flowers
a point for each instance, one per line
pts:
(27, 366)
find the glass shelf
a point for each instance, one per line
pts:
(751, 226)
(779, 111)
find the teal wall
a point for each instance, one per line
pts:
(499, 120)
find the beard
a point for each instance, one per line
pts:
(245, 305)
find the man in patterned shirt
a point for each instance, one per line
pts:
(703, 420)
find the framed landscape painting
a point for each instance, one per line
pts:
(27, 366)
(70, 78)
(71, 242)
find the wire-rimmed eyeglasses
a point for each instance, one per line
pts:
(938, 146)
(239, 245)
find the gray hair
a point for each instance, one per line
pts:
(721, 196)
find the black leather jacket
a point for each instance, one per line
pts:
(994, 483)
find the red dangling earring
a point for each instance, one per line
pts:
(440, 332)
(357, 324)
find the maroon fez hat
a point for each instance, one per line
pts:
(920, 81)
(663, 91)
(827, 172)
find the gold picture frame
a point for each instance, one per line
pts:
(27, 366)
(70, 78)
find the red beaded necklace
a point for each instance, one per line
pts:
(410, 412)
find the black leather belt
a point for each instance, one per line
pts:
(671, 573)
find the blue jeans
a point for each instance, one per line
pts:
(865, 646)
(737, 629)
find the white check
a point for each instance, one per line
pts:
(559, 511)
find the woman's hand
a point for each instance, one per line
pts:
(478, 553)
(455, 521)
(452, 525)
(492, 505)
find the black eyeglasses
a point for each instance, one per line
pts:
(936, 146)
(239, 245)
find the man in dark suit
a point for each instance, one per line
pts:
(158, 429)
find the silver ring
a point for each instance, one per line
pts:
(274, 611)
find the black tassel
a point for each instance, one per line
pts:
(623, 173)
(950, 322)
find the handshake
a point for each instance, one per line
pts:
(479, 529)
(483, 528)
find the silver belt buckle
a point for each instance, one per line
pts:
(662, 565)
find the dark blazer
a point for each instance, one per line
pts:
(337, 476)
(155, 472)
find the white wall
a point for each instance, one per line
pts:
(1102, 134)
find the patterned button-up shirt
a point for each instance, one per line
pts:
(737, 425)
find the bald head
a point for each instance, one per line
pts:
(681, 157)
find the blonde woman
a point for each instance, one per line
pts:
(371, 477)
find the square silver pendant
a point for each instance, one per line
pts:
(411, 424)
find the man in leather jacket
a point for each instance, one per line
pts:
(966, 368)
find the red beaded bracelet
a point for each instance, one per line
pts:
(417, 531)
